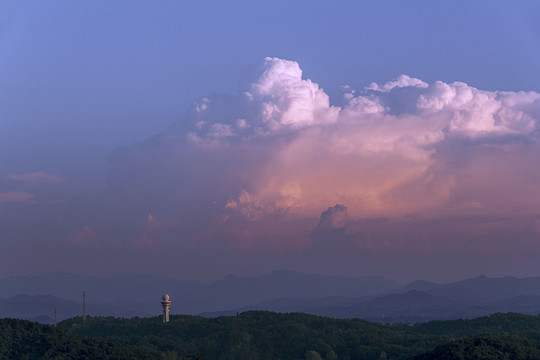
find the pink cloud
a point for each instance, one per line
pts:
(152, 221)
(82, 236)
(272, 157)
(152, 231)
(145, 240)
(15, 196)
(378, 152)
(39, 177)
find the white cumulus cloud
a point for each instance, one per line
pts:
(403, 148)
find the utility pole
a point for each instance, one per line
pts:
(84, 305)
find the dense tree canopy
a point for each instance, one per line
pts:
(25, 340)
(261, 335)
(486, 347)
(267, 335)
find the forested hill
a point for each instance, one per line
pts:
(26, 340)
(261, 335)
(267, 335)
(486, 347)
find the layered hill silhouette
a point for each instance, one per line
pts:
(271, 335)
(139, 294)
(421, 301)
(369, 298)
(40, 308)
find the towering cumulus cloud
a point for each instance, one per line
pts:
(277, 101)
(250, 168)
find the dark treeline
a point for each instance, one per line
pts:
(486, 347)
(26, 340)
(268, 335)
(261, 335)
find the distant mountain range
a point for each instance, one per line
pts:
(40, 308)
(140, 294)
(370, 298)
(420, 301)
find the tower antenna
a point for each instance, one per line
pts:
(84, 305)
(55, 316)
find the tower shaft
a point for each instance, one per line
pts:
(165, 305)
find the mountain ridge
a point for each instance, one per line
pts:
(192, 297)
(372, 298)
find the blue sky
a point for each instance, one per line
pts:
(81, 79)
(83, 64)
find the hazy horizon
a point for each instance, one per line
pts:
(200, 139)
(256, 276)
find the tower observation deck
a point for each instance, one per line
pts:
(165, 304)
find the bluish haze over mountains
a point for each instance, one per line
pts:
(371, 298)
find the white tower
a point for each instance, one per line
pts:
(165, 303)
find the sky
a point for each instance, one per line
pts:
(203, 138)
